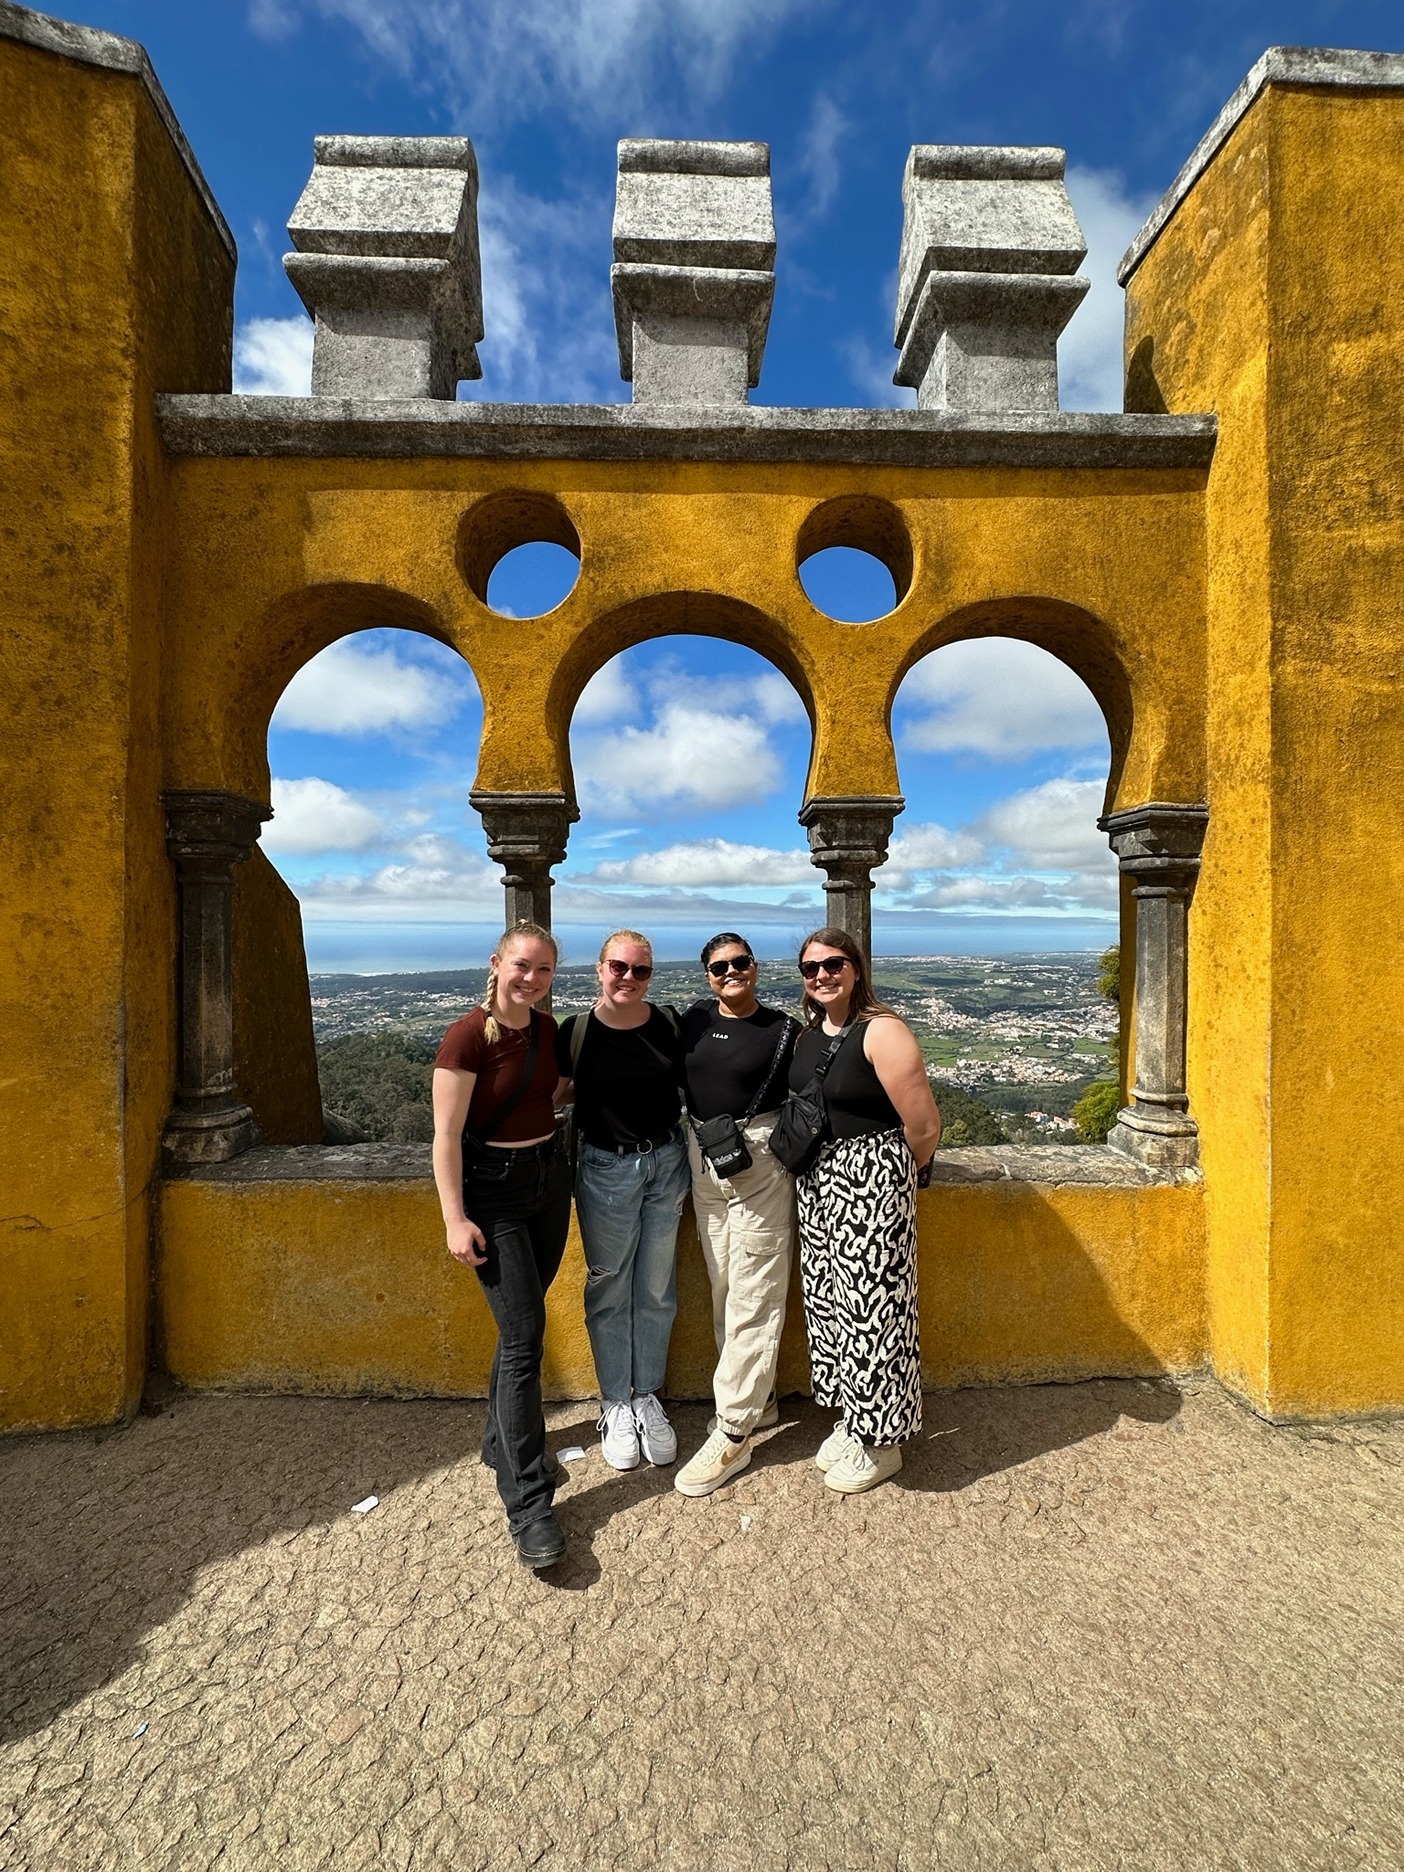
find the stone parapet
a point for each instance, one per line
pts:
(693, 278)
(990, 247)
(387, 264)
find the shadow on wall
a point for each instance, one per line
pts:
(117, 1526)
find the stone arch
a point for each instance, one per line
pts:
(673, 614)
(1084, 642)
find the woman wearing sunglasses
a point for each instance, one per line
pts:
(857, 1213)
(736, 1056)
(630, 1184)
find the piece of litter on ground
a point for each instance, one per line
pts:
(140, 1730)
(364, 1507)
(745, 1524)
(573, 1454)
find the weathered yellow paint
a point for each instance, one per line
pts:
(1276, 297)
(1240, 629)
(347, 1287)
(114, 284)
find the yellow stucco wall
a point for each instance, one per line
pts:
(347, 1287)
(113, 284)
(1276, 297)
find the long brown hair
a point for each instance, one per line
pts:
(863, 1004)
(521, 931)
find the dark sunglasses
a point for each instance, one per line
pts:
(831, 965)
(737, 964)
(639, 970)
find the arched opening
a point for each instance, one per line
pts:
(690, 756)
(1001, 895)
(374, 850)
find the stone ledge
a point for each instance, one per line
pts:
(1298, 65)
(409, 429)
(316, 1163)
(86, 45)
(1052, 1165)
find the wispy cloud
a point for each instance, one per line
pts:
(353, 689)
(273, 357)
(1089, 355)
(999, 698)
(709, 863)
(491, 62)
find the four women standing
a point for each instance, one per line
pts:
(504, 1189)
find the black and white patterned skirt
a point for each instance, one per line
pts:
(857, 1234)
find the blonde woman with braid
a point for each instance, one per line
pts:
(504, 1189)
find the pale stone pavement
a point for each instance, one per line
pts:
(1112, 1625)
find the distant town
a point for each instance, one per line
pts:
(1024, 1035)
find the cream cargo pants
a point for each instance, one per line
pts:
(747, 1229)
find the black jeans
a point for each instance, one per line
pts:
(520, 1199)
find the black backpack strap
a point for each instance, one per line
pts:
(786, 1031)
(497, 1119)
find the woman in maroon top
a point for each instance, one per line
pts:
(505, 1193)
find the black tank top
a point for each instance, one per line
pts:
(857, 1104)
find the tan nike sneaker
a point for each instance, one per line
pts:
(718, 1460)
(863, 1467)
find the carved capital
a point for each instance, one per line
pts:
(850, 835)
(209, 827)
(1158, 841)
(526, 829)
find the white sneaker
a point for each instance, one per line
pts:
(835, 1447)
(657, 1438)
(863, 1468)
(718, 1460)
(619, 1437)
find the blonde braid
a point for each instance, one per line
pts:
(522, 930)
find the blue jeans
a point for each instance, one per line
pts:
(628, 1209)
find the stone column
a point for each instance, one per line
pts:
(1158, 846)
(526, 835)
(207, 834)
(848, 841)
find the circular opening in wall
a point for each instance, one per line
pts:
(854, 557)
(519, 552)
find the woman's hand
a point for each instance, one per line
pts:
(466, 1242)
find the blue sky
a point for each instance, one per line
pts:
(689, 755)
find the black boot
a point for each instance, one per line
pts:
(541, 1543)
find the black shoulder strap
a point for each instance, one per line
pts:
(786, 1027)
(830, 1051)
(497, 1119)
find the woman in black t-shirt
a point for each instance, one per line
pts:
(630, 1183)
(736, 1054)
(505, 1193)
(857, 1214)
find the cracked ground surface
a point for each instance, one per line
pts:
(1114, 1625)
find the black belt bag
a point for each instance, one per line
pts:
(802, 1128)
(720, 1140)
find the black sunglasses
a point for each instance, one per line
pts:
(639, 970)
(831, 965)
(737, 964)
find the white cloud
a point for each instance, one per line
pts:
(709, 862)
(776, 700)
(819, 158)
(870, 371)
(437, 880)
(693, 757)
(315, 816)
(609, 696)
(932, 848)
(596, 61)
(347, 690)
(1052, 827)
(273, 357)
(998, 697)
(1089, 354)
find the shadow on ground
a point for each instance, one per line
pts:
(103, 1534)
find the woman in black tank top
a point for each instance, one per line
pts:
(857, 1214)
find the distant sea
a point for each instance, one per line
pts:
(401, 949)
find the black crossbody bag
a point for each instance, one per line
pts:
(719, 1139)
(497, 1119)
(803, 1125)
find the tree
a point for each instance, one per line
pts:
(964, 1120)
(381, 1082)
(1109, 975)
(1095, 1112)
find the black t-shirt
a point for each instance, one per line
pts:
(727, 1059)
(628, 1082)
(857, 1104)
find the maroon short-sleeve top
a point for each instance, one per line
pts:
(464, 1048)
